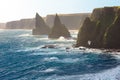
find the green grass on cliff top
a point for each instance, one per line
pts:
(108, 6)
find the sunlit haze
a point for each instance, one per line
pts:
(18, 9)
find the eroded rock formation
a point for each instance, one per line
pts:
(41, 28)
(59, 29)
(101, 29)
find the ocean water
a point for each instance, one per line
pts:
(27, 57)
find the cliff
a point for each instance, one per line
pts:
(41, 28)
(59, 29)
(2, 25)
(71, 21)
(101, 29)
(112, 38)
(21, 24)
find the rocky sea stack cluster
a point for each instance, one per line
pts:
(59, 29)
(101, 29)
(41, 28)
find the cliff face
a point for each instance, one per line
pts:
(112, 38)
(85, 31)
(21, 24)
(2, 25)
(40, 26)
(101, 29)
(71, 21)
(59, 29)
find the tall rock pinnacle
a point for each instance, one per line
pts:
(41, 28)
(59, 29)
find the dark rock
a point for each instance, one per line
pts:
(101, 29)
(112, 38)
(59, 29)
(49, 46)
(85, 32)
(41, 28)
(82, 48)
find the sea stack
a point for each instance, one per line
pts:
(41, 28)
(101, 29)
(59, 29)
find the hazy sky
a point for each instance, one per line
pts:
(17, 9)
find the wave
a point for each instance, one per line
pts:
(49, 70)
(2, 30)
(112, 74)
(24, 35)
(70, 60)
(64, 60)
(51, 59)
(41, 58)
(29, 49)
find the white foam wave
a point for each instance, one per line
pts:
(51, 59)
(49, 70)
(112, 74)
(24, 35)
(42, 39)
(74, 31)
(64, 39)
(61, 39)
(87, 50)
(2, 30)
(70, 60)
(29, 49)
(44, 52)
(65, 60)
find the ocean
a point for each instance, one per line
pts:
(27, 57)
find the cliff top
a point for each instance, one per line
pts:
(68, 14)
(107, 7)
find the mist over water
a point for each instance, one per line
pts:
(27, 57)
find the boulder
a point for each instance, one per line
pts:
(49, 46)
(59, 29)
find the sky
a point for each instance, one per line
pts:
(17, 9)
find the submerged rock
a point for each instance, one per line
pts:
(49, 46)
(41, 28)
(101, 29)
(59, 29)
